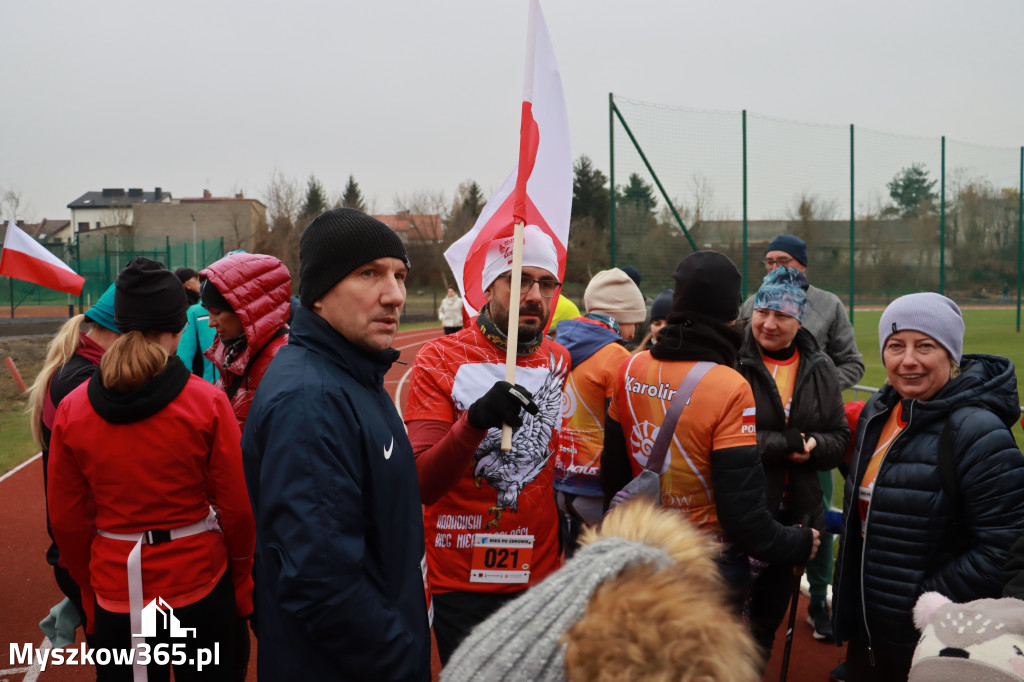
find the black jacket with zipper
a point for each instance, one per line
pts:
(909, 546)
(816, 410)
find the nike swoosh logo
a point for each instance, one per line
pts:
(388, 449)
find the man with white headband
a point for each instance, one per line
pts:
(458, 401)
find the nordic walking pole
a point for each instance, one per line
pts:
(798, 572)
(511, 351)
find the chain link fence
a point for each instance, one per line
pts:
(99, 258)
(882, 214)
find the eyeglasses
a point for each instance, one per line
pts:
(770, 263)
(547, 287)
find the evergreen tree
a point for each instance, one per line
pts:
(352, 197)
(469, 202)
(316, 199)
(912, 192)
(638, 194)
(589, 194)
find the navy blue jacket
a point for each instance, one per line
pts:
(338, 582)
(909, 546)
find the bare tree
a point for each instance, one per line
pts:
(283, 198)
(10, 204)
(808, 208)
(426, 239)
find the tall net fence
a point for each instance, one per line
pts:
(99, 258)
(882, 214)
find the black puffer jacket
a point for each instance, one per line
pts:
(908, 545)
(817, 410)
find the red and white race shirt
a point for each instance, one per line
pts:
(508, 494)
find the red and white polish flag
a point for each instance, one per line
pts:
(538, 191)
(26, 259)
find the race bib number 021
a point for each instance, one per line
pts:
(501, 558)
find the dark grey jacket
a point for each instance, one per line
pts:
(817, 410)
(908, 547)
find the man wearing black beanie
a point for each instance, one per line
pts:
(713, 472)
(331, 474)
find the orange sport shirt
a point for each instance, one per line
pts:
(720, 415)
(507, 494)
(578, 464)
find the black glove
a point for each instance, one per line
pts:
(502, 404)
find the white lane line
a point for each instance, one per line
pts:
(20, 467)
(398, 391)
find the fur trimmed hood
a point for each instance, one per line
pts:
(642, 599)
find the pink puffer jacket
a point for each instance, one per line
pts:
(259, 289)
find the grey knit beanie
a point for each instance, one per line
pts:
(521, 640)
(336, 243)
(929, 313)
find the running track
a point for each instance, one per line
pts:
(27, 589)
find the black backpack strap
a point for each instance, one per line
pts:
(947, 475)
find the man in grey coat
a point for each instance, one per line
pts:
(826, 319)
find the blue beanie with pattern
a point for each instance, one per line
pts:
(784, 290)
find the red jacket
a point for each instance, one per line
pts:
(158, 472)
(259, 289)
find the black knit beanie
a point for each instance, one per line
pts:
(707, 283)
(336, 243)
(149, 298)
(211, 297)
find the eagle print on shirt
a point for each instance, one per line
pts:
(510, 472)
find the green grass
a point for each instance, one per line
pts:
(988, 331)
(16, 444)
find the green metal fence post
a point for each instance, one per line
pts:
(942, 220)
(167, 248)
(611, 175)
(853, 225)
(78, 269)
(743, 280)
(1020, 234)
(654, 176)
(106, 263)
(204, 256)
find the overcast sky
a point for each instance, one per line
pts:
(413, 95)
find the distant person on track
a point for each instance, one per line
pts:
(145, 491)
(71, 359)
(450, 312)
(339, 560)
(458, 401)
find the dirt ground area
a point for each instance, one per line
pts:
(24, 341)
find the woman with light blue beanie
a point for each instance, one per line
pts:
(916, 520)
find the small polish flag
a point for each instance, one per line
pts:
(26, 259)
(749, 414)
